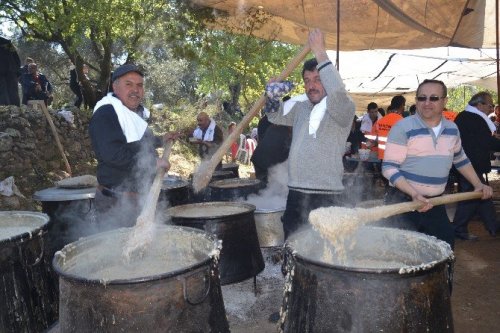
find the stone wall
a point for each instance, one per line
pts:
(29, 153)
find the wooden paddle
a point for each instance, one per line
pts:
(205, 170)
(41, 103)
(334, 221)
(142, 233)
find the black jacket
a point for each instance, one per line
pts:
(121, 165)
(477, 140)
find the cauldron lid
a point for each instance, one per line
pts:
(64, 194)
(16, 224)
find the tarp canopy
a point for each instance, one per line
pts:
(387, 46)
(378, 75)
(368, 24)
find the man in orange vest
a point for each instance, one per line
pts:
(449, 114)
(382, 127)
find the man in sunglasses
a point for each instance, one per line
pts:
(419, 153)
(477, 135)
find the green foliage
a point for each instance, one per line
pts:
(184, 59)
(236, 57)
(99, 33)
(459, 97)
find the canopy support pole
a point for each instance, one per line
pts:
(338, 36)
(498, 52)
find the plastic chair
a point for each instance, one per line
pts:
(251, 144)
(242, 153)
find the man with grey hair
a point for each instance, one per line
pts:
(478, 140)
(125, 148)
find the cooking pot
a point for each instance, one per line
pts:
(71, 212)
(390, 281)
(234, 189)
(233, 167)
(204, 194)
(173, 287)
(28, 294)
(175, 190)
(269, 226)
(233, 223)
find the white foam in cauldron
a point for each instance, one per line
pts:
(374, 249)
(16, 223)
(100, 257)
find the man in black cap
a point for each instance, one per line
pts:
(125, 149)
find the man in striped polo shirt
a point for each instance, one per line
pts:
(419, 153)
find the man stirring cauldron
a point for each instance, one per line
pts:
(321, 122)
(419, 153)
(125, 149)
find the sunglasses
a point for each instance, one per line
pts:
(430, 98)
(490, 105)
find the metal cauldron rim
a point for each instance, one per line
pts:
(28, 234)
(251, 208)
(74, 277)
(269, 210)
(168, 184)
(243, 181)
(396, 271)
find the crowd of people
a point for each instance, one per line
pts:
(415, 150)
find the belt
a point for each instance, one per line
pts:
(108, 192)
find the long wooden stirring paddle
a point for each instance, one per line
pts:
(142, 233)
(205, 170)
(335, 222)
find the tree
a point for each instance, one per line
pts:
(97, 33)
(238, 63)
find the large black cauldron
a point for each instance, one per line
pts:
(71, 212)
(391, 281)
(175, 190)
(28, 295)
(234, 189)
(204, 194)
(234, 224)
(173, 287)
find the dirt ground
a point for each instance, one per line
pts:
(475, 298)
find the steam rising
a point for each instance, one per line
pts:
(274, 195)
(83, 219)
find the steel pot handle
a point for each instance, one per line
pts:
(185, 292)
(39, 258)
(90, 207)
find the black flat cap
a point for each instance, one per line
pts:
(124, 69)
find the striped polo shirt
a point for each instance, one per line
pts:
(414, 152)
